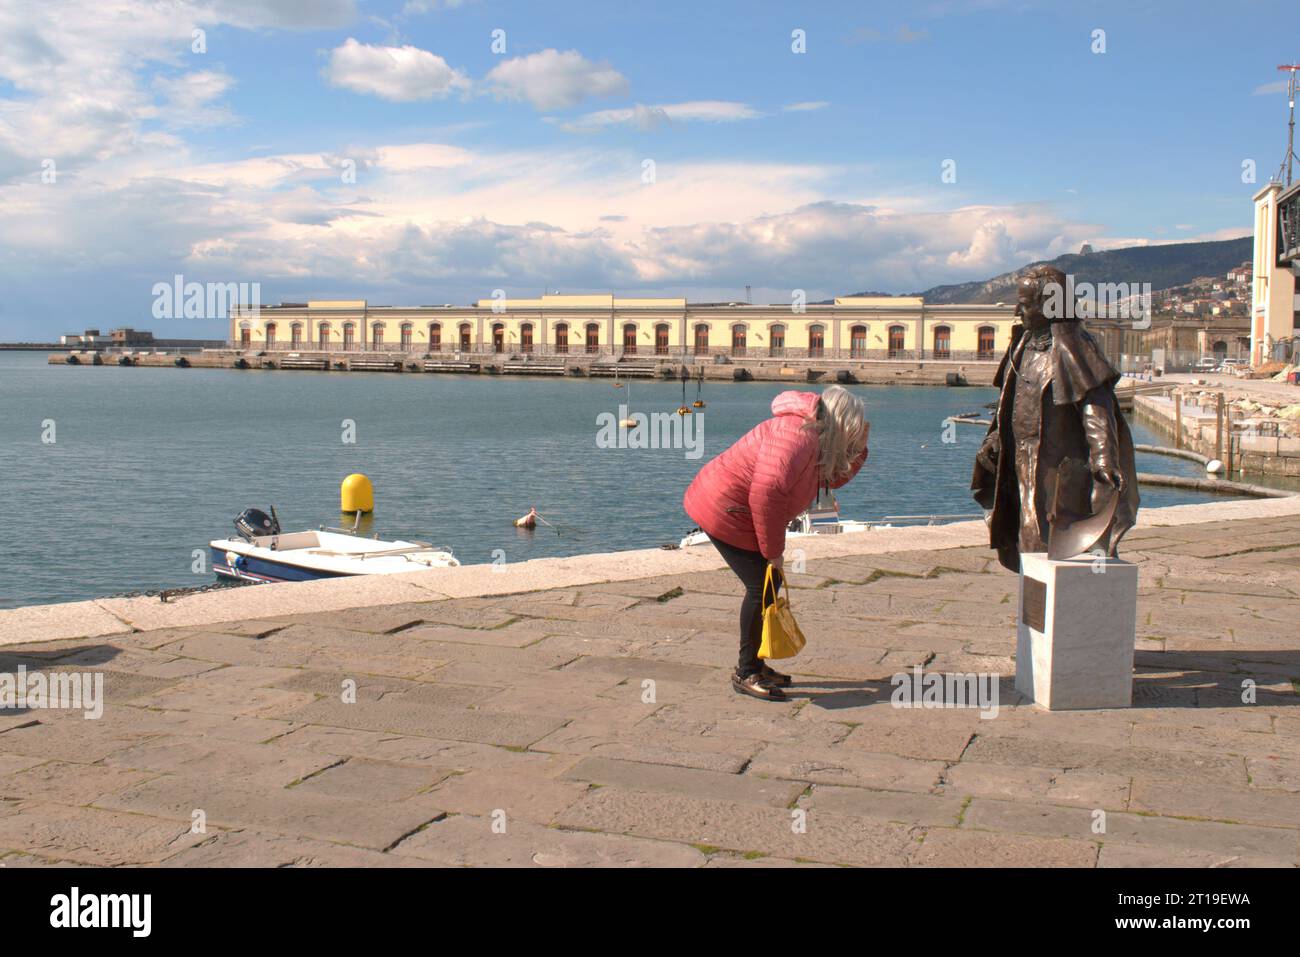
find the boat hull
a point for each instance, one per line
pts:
(308, 556)
(250, 568)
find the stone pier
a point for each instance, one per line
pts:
(578, 712)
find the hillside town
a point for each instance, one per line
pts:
(1208, 297)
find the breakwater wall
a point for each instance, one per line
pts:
(114, 616)
(848, 371)
(1200, 429)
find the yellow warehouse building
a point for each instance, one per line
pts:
(593, 326)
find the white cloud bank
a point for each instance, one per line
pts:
(429, 222)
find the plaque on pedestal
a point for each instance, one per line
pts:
(1076, 631)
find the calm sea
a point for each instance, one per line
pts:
(149, 464)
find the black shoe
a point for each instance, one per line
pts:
(756, 686)
(775, 677)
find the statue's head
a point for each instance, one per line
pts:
(1041, 298)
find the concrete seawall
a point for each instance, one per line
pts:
(109, 616)
(740, 369)
(1259, 454)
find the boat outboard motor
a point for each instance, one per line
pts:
(252, 522)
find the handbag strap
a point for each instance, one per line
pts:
(768, 583)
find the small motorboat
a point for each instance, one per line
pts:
(820, 518)
(802, 525)
(263, 553)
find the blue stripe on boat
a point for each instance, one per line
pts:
(260, 570)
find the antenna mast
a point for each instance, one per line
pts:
(1292, 69)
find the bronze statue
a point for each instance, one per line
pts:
(1056, 468)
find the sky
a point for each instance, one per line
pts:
(416, 152)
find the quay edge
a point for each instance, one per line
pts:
(926, 372)
(110, 616)
(1277, 455)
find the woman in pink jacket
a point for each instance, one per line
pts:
(745, 498)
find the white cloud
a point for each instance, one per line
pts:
(991, 246)
(77, 91)
(1278, 86)
(652, 117)
(427, 6)
(830, 246)
(190, 98)
(807, 107)
(551, 80)
(401, 74)
(280, 14)
(85, 82)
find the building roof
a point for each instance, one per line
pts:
(882, 301)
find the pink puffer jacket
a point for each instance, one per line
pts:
(749, 494)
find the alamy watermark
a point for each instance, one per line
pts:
(656, 430)
(63, 690)
(179, 299)
(74, 909)
(917, 689)
(1125, 301)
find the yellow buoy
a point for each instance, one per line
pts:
(356, 494)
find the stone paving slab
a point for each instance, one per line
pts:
(592, 724)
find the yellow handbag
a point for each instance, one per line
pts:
(781, 635)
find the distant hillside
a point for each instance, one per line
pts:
(1162, 266)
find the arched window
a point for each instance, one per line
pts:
(816, 342)
(435, 337)
(738, 340)
(526, 337)
(562, 338)
(295, 334)
(986, 342)
(897, 339)
(776, 341)
(858, 342)
(498, 337)
(406, 336)
(323, 335)
(269, 332)
(465, 337)
(629, 338)
(661, 339)
(593, 338)
(702, 339)
(942, 342)
(349, 336)
(377, 336)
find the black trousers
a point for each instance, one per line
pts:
(751, 569)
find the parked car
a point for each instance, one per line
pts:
(1206, 364)
(1232, 365)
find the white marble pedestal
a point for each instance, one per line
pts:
(1076, 631)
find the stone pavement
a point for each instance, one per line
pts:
(595, 725)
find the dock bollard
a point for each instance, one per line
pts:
(356, 494)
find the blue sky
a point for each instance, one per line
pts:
(524, 168)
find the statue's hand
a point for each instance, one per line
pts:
(1108, 475)
(989, 452)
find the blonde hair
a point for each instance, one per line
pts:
(842, 431)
